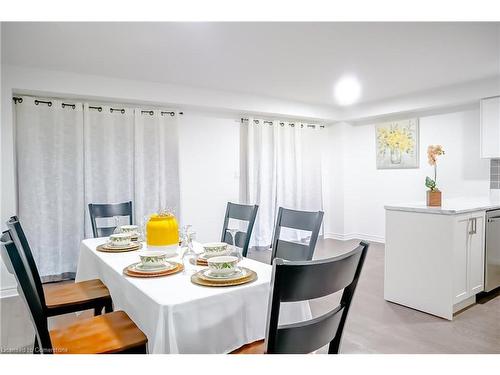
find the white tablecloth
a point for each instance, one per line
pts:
(180, 317)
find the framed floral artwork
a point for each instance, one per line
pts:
(397, 144)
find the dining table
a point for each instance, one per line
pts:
(178, 316)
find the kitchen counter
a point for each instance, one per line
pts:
(451, 206)
(434, 256)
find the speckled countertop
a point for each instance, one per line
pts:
(451, 206)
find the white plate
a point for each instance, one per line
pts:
(132, 244)
(205, 257)
(139, 267)
(239, 273)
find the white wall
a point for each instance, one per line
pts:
(208, 136)
(6, 280)
(354, 191)
(420, 102)
(333, 179)
(68, 85)
(209, 170)
(201, 137)
(366, 190)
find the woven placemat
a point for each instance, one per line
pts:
(199, 262)
(127, 271)
(248, 278)
(110, 249)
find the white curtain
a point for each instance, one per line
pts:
(282, 167)
(109, 156)
(50, 182)
(156, 163)
(74, 154)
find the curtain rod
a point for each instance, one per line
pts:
(18, 99)
(292, 124)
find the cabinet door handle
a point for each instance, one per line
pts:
(473, 225)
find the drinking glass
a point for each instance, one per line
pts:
(116, 220)
(183, 234)
(235, 250)
(189, 256)
(143, 228)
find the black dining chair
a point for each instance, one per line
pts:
(60, 298)
(244, 213)
(57, 298)
(299, 220)
(114, 332)
(305, 280)
(102, 211)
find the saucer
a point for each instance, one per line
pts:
(132, 271)
(139, 267)
(115, 249)
(209, 274)
(110, 244)
(246, 276)
(205, 257)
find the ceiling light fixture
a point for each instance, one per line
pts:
(347, 90)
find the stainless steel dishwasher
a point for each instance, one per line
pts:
(492, 256)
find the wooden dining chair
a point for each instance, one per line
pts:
(305, 280)
(58, 298)
(114, 332)
(299, 220)
(244, 213)
(103, 211)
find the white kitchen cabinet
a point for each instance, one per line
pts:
(490, 127)
(461, 245)
(434, 260)
(476, 254)
(468, 256)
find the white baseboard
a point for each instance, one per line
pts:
(8, 292)
(354, 236)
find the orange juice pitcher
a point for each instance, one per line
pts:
(162, 232)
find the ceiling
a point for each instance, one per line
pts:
(294, 61)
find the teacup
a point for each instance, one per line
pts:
(120, 239)
(213, 249)
(223, 265)
(132, 229)
(153, 259)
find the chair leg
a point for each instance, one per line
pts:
(36, 347)
(334, 347)
(143, 349)
(108, 307)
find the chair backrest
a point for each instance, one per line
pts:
(300, 220)
(22, 245)
(106, 211)
(305, 280)
(28, 291)
(244, 213)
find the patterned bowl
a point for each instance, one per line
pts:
(120, 239)
(214, 247)
(132, 229)
(223, 265)
(153, 259)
